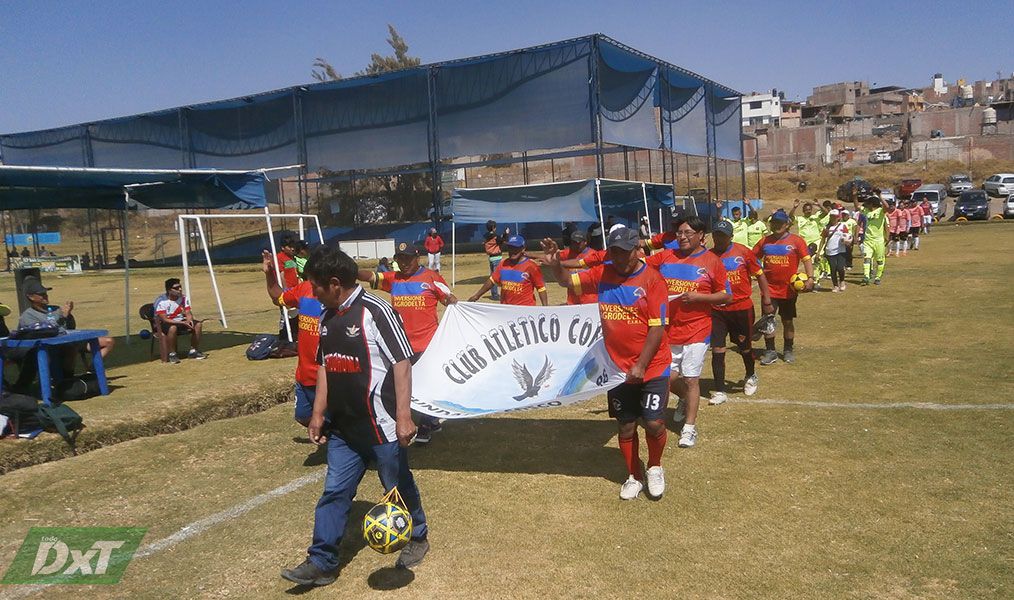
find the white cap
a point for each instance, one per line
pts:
(835, 212)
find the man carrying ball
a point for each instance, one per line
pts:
(780, 253)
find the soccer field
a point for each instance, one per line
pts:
(878, 466)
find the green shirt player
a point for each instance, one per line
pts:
(756, 229)
(874, 208)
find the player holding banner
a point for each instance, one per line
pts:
(632, 306)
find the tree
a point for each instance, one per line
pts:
(324, 71)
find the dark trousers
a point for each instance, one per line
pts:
(837, 262)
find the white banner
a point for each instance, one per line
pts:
(491, 358)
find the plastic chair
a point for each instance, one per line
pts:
(147, 312)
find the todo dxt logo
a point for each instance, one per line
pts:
(68, 555)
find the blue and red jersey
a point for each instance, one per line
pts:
(586, 298)
(301, 297)
(415, 298)
(781, 256)
(702, 272)
(628, 306)
(740, 265)
(518, 281)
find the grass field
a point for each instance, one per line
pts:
(828, 498)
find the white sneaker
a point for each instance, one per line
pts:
(717, 398)
(656, 482)
(842, 286)
(630, 488)
(688, 437)
(835, 289)
(750, 386)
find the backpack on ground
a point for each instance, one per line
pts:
(261, 347)
(61, 419)
(78, 388)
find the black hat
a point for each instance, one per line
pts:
(723, 227)
(624, 238)
(32, 285)
(578, 236)
(406, 249)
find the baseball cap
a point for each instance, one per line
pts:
(32, 285)
(780, 215)
(406, 249)
(834, 211)
(516, 241)
(624, 238)
(578, 236)
(723, 227)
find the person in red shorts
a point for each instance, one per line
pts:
(415, 291)
(696, 281)
(632, 306)
(735, 318)
(518, 276)
(577, 251)
(308, 337)
(780, 254)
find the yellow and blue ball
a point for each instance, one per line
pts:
(387, 527)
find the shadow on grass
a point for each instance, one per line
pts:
(352, 542)
(390, 578)
(142, 351)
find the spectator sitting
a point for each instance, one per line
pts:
(172, 310)
(25, 253)
(41, 311)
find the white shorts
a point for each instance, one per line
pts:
(926, 219)
(688, 360)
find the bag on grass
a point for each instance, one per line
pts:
(61, 419)
(22, 411)
(78, 388)
(261, 347)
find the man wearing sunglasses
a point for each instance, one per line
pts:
(172, 311)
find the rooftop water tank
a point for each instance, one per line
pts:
(989, 116)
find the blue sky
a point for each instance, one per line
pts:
(71, 61)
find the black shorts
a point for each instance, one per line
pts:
(894, 237)
(785, 307)
(737, 324)
(914, 231)
(903, 235)
(647, 400)
(179, 330)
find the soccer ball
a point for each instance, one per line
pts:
(387, 527)
(798, 281)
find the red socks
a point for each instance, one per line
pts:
(629, 448)
(655, 447)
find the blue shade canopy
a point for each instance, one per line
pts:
(51, 187)
(556, 202)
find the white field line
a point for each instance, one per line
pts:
(202, 525)
(874, 406)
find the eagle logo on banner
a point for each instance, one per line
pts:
(530, 385)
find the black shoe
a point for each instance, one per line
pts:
(769, 357)
(412, 554)
(423, 435)
(308, 573)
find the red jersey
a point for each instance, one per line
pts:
(308, 337)
(780, 257)
(433, 244)
(286, 265)
(591, 258)
(740, 265)
(702, 272)
(628, 306)
(572, 298)
(664, 240)
(518, 281)
(415, 298)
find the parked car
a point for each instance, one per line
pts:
(888, 196)
(935, 194)
(973, 205)
(1001, 184)
(957, 183)
(907, 187)
(880, 156)
(1008, 207)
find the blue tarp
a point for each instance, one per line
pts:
(541, 98)
(32, 187)
(556, 202)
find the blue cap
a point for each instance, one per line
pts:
(723, 227)
(780, 215)
(516, 241)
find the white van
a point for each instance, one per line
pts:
(937, 196)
